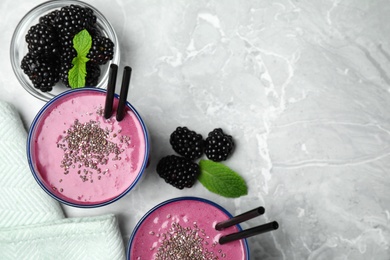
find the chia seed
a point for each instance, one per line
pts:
(184, 243)
(88, 146)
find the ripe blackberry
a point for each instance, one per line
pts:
(93, 74)
(67, 49)
(102, 50)
(94, 31)
(63, 73)
(218, 145)
(41, 70)
(178, 171)
(67, 55)
(49, 19)
(187, 143)
(42, 40)
(72, 19)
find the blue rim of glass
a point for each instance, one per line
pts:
(40, 182)
(246, 247)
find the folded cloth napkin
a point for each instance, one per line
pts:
(22, 200)
(32, 224)
(68, 238)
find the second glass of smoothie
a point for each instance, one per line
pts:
(184, 228)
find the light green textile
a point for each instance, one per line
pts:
(68, 238)
(22, 201)
(32, 224)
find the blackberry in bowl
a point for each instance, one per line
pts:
(43, 49)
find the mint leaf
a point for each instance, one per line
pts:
(220, 179)
(82, 43)
(77, 74)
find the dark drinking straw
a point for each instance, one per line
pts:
(110, 91)
(249, 232)
(123, 94)
(240, 218)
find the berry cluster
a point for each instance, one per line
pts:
(187, 143)
(218, 145)
(178, 171)
(181, 171)
(50, 47)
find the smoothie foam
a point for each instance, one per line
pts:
(82, 157)
(181, 222)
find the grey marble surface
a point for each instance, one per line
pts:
(304, 88)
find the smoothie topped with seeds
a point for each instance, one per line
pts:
(82, 158)
(184, 228)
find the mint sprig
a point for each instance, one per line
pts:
(220, 179)
(82, 43)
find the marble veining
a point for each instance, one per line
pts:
(304, 88)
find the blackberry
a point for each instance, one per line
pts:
(218, 145)
(72, 19)
(67, 55)
(187, 143)
(178, 171)
(49, 19)
(67, 49)
(94, 31)
(93, 74)
(42, 40)
(63, 73)
(102, 50)
(41, 70)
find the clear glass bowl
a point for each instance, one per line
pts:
(108, 190)
(19, 46)
(157, 220)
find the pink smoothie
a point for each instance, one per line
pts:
(80, 156)
(179, 223)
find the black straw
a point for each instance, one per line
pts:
(110, 91)
(249, 232)
(123, 94)
(240, 218)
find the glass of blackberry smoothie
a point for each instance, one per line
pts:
(81, 158)
(184, 228)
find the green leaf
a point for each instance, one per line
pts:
(77, 74)
(82, 43)
(220, 179)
